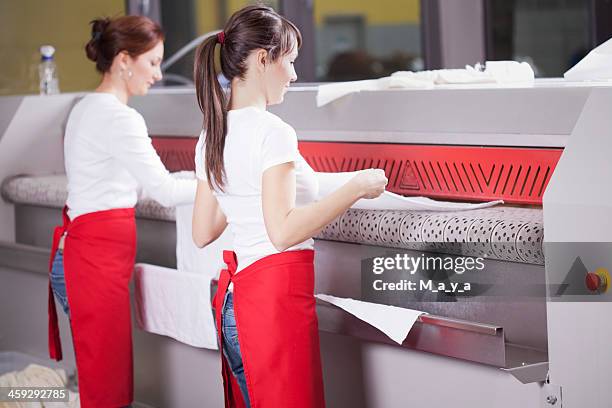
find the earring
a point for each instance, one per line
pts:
(129, 74)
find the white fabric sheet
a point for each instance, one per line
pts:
(330, 92)
(175, 304)
(595, 66)
(329, 182)
(394, 321)
(496, 72)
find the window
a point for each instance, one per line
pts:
(343, 39)
(184, 20)
(365, 39)
(552, 35)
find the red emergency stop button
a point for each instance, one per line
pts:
(597, 281)
(592, 281)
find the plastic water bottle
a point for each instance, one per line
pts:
(47, 71)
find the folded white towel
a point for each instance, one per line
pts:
(175, 304)
(506, 72)
(496, 72)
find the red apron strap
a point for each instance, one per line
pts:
(65, 216)
(224, 280)
(231, 390)
(229, 257)
(57, 233)
(55, 343)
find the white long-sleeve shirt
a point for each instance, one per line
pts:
(109, 157)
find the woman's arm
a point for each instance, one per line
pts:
(131, 145)
(287, 225)
(208, 220)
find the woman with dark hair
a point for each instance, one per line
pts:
(108, 158)
(253, 180)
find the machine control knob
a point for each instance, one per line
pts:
(597, 281)
(551, 399)
(593, 281)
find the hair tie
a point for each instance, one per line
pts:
(221, 37)
(97, 35)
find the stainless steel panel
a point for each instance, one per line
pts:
(539, 115)
(338, 271)
(24, 257)
(467, 342)
(529, 373)
(8, 107)
(156, 239)
(514, 111)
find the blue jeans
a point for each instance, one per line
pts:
(58, 284)
(231, 347)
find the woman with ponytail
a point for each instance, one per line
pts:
(108, 158)
(253, 180)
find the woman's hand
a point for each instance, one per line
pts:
(287, 225)
(370, 183)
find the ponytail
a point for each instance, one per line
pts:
(251, 28)
(213, 104)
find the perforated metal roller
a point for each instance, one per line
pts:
(51, 191)
(504, 233)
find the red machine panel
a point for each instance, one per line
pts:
(177, 153)
(515, 175)
(467, 173)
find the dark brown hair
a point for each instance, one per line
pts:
(251, 28)
(133, 34)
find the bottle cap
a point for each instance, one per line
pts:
(46, 52)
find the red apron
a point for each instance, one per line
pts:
(99, 252)
(278, 331)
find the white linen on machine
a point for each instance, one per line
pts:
(175, 304)
(394, 321)
(495, 72)
(329, 182)
(595, 66)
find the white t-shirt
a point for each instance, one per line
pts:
(256, 140)
(109, 157)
